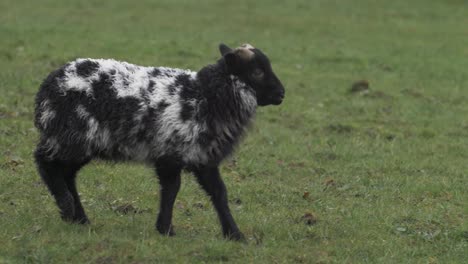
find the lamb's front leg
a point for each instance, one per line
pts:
(210, 179)
(169, 179)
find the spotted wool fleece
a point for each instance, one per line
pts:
(115, 110)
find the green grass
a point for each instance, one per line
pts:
(386, 172)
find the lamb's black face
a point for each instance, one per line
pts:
(253, 67)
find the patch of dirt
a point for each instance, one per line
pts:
(13, 163)
(330, 184)
(127, 208)
(360, 87)
(309, 219)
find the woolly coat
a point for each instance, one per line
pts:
(114, 110)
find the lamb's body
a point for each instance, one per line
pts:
(172, 119)
(116, 110)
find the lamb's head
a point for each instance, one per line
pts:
(253, 67)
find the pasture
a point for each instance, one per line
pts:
(366, 160)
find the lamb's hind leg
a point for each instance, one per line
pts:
(60, 180)
(70, 179)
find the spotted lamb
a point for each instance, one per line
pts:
(169, 118)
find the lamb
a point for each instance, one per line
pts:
(171, 119)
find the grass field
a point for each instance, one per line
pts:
(330, 176)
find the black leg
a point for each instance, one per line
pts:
(60, 180)
(70, 179)
(169, 179)
(210, 180)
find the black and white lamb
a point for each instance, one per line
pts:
(172, 119)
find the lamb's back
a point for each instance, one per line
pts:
(112, 108)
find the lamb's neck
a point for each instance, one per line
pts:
(228, 99)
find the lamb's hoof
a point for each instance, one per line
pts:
(67, 218)
(76, 220)
(235, 236)
(82, 221)
(168, 231)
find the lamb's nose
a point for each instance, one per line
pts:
(281, 94)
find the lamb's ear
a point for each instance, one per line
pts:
(223, 49)
(232, 62)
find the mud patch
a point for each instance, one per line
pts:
(13, 163)
(309, 219)
(360, 87)
(127, 208)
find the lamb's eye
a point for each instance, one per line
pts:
(257, 74)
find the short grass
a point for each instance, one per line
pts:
(330, 176)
